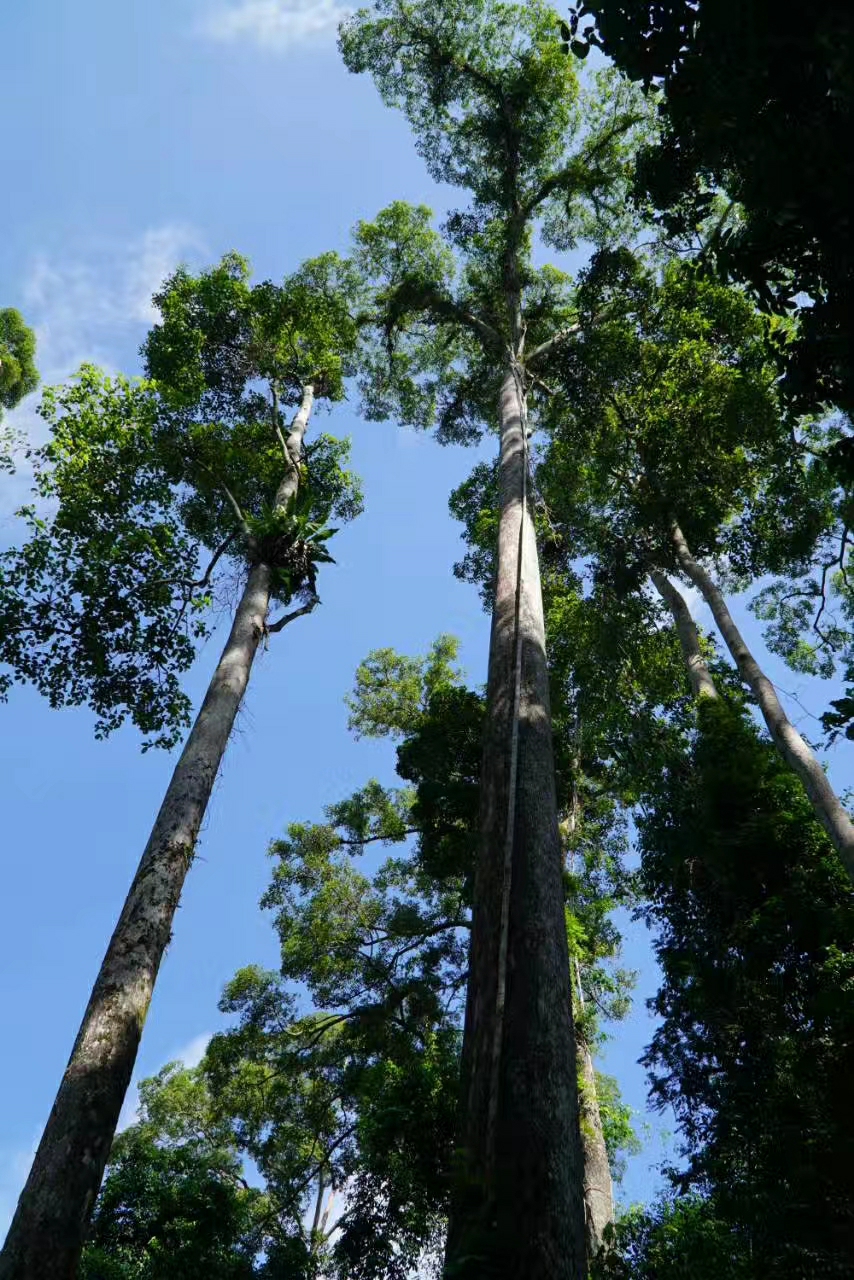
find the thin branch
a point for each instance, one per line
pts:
(220, 551)
(446, 308)
(232, 501)
(278, 430)
(408, 831)
(579, 164)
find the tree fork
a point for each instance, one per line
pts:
(518, 1205)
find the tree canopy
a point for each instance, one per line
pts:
(762, 111)
(152, 495)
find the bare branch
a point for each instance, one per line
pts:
(288, 618)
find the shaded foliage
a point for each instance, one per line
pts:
(755, 1048)
(760, 107)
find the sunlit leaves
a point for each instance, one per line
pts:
(150, 497)
(18, 373)
(102, 604)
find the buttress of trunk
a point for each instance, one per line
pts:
(49, 1227)
(518, 1205)
(702, 684)
(797, 754)
(598, 1187)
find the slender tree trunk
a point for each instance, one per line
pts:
(702, 684)
(598, 1186)
(519, 1209)
(49, 1227)
(793, 749)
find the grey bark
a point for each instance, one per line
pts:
(598, 1186)
(797, 754)
(518, 1208)
(48, 1231)
(702, 684)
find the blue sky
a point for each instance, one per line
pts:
(137, 135)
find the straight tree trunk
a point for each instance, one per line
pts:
(518, 1210)
(49, 1228)
(797, 754)
(598, 1186)
(702, 684)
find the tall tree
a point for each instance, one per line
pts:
(671, 446)
(348, 1107)
(495, 109)
(199, 457)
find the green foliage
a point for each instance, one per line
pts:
(338, 1078)
(225, 358)
(174, 1201)
(218, 335)
(667, 405)
(445, 67)
(755, 1045)
(761, 109)
(618, 1131)
(152, 495)
(100, 604)
(18, 377)
(18, 373)
(678, 1239)
(388, 698)
(495, 109)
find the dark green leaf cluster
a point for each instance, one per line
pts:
(679, 1238)
(666, 405)
(175, 1201)
(755, 1048)
(761, 108)
(18, 377)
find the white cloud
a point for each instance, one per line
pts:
(80, 309)
(193, 1052)
(275, 24)
(89, 310)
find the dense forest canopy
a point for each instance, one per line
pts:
(639, 317)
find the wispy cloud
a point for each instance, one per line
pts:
(275, 24)
(89, 309)
(79, 309)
